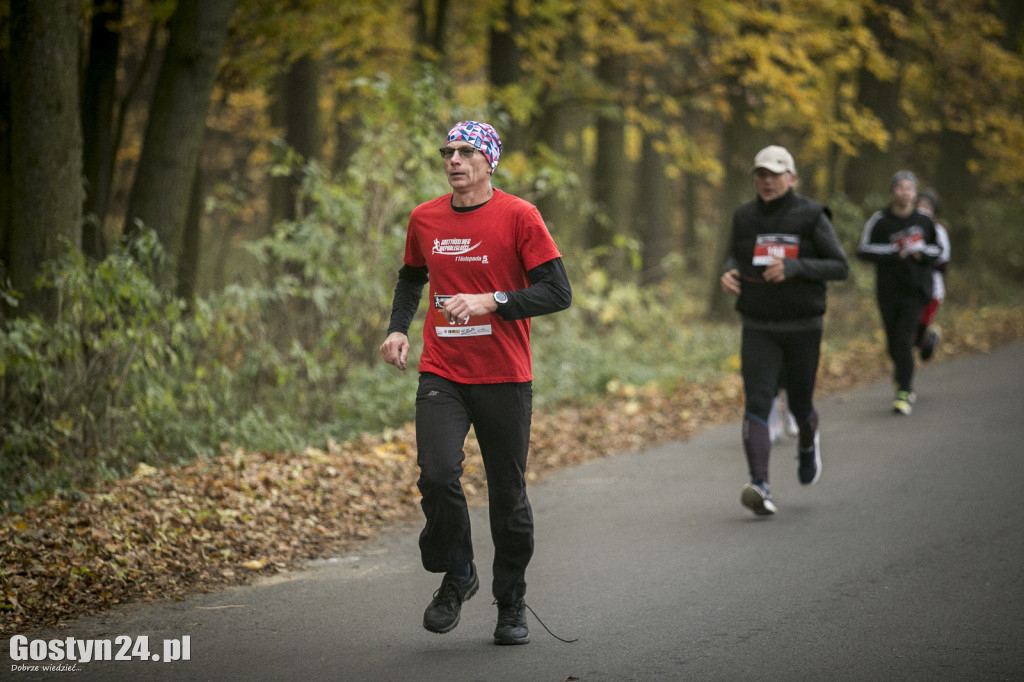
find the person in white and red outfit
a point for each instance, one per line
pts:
(902, 244)
(927, 331)
(491, 265)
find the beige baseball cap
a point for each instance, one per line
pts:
(776, 159)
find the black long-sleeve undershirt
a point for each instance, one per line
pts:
(549, 292)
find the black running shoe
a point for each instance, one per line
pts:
(511, 628)
(810, 462)
(442, 615)
(928, 344)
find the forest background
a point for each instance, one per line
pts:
(203, 202)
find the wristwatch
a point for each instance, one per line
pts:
(501, 298)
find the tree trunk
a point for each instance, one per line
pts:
(881, 97)
(505, 72)
(188, 264)
(174, 133)
(560, 127)
(690, 205)
(297, 111)
(1011, 12)
(5, 158)
(46, 143)
(431, 23)
(957, 187)
(611, 188)
(653, 215)
(689, 242)
(279, 186)
(346, 131)
(98, 106)
(303, 114)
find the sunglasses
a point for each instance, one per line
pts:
(464, 152)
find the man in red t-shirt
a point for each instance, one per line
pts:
(491, 265)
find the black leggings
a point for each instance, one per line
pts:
(900, 317)
(766, 356)
(500, 415)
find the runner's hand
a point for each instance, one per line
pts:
(460, 307)
(775, 272)
(730, 282)
(395, 349)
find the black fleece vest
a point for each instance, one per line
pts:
(790, 218)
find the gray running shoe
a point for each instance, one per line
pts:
(755, 496)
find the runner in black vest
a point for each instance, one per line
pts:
(782, 251)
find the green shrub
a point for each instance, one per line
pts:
(103, 384)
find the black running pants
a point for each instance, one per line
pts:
(500, 415)
(900, 317)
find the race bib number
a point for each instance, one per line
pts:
(910, 239)
(775, 246)
(477, 325)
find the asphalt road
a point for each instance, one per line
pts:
(904, 562)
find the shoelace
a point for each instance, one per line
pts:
(508, 617)
(448, 593)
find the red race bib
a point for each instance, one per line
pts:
(771, 246)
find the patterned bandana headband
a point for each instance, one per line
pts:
(480, 135)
